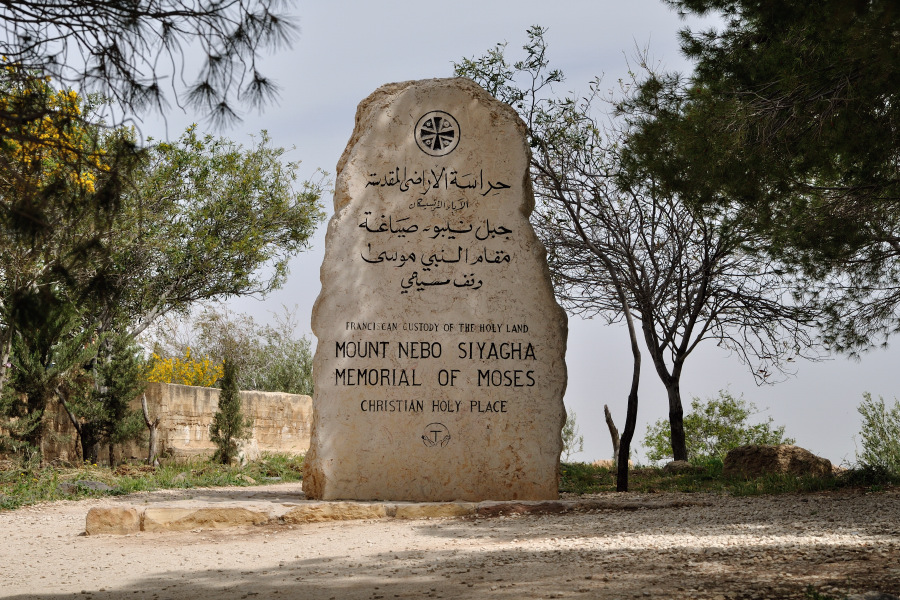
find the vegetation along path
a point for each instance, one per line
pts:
(817, 545)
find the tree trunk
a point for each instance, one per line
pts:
(676, 420)
(613, 433)
(153, 426)
(631, 414)
(34, 418)
(90, 450)
(672, 383)
(628, 434)
(79, 429)
(90, 445)
(6, 346)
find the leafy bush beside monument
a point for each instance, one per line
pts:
(713, 427)
(880, 434)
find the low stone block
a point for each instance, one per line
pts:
(66, 487)
(495, 509)
(335, 511)
(117, 521)
(676, 467)
(184, 519)
(95, 486)
(756, 460)
(428, 510)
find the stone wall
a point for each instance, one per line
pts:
(281, 423)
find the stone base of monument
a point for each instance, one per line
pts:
(124, 520)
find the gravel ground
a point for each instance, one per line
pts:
(755, 548)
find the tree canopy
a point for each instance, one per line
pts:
(61, 181)
(792, 118)
(808, 97)
(625, 247)
(99, 237)
(65, 172)
(268, 358)
(207, 219)
(203, 218)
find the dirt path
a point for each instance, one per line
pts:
(759, 548)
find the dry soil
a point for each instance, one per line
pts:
(758, 547)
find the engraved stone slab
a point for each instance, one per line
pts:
(440, 367)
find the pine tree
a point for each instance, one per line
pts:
(48, 348)
(229, 425)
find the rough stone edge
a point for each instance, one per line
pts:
(388, 510)
(113, 520)
(206, 517)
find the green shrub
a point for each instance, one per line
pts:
(868, 476)
(228, 426)
(880, 435)
(712, 428)
(572, 440)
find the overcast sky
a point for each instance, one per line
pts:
(348, 48)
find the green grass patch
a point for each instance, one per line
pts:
(22, 483)
(28, 483)
(583, 478)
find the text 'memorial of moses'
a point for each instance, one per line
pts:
(440, 366)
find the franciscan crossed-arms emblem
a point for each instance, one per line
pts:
(437, 133)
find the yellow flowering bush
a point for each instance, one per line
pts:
(189, 370)
(50, 140)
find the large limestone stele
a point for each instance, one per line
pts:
(440, 366)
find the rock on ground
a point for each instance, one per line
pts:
(756, 460)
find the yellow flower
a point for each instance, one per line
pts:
(54, 142)
(187, 370)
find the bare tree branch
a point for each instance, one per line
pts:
(621, 246)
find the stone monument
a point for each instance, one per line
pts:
(440, 367)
